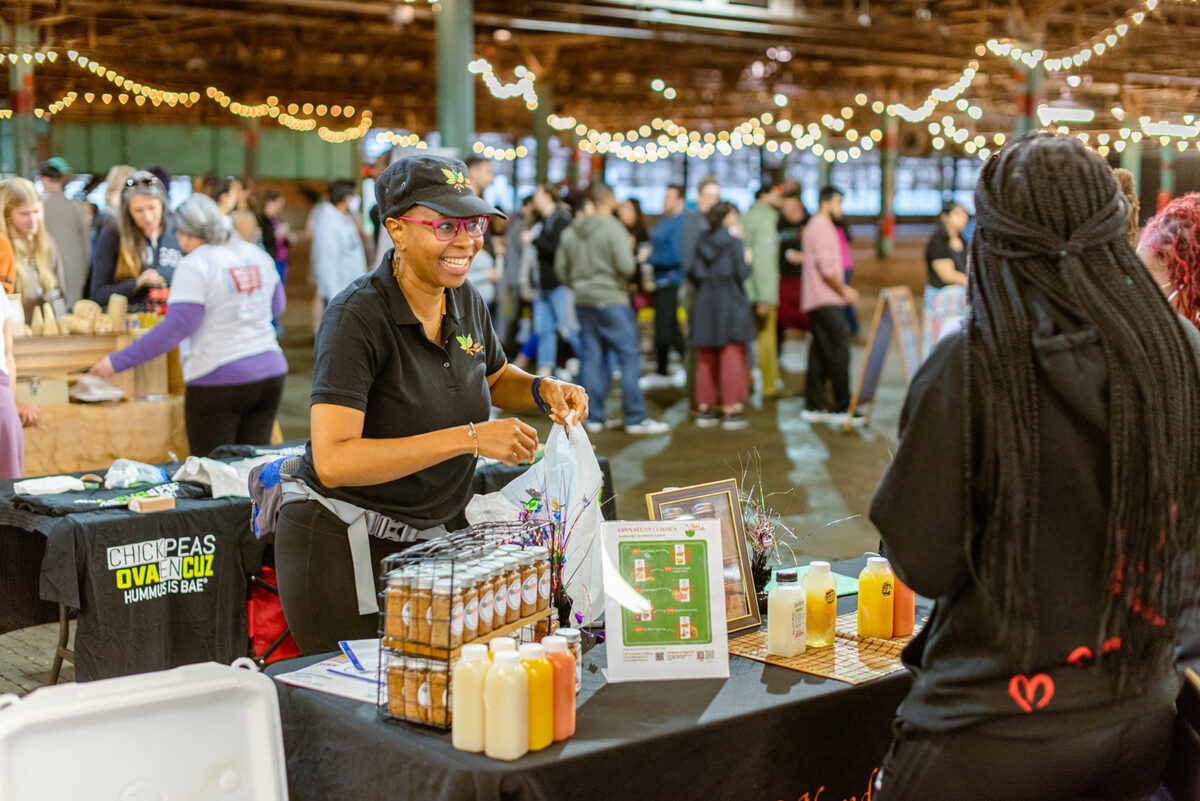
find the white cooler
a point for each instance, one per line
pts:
(200, 732)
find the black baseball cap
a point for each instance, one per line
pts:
(437, 182)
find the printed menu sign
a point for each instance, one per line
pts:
(670, 573)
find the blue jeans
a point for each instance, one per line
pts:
(609, 330)
(551, 319)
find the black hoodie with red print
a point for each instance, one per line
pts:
(962, 675)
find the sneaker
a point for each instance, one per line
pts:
(856, 420)
(652, 381)
(734, 421)
(594, 426)
(573, 366)
(614, 424)
(815, 415)
(707, 418)
(647, 426)
(679, 378)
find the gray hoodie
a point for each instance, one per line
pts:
(595, 259)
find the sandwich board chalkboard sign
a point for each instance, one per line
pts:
(895, 318)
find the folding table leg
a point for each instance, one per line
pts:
(62, 652)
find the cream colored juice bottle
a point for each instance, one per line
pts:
(558, 654)
(467, 698)
(541, 695)
(785, 616)
(875, 587)
(506, 708)
(820, 603)
(499, 644)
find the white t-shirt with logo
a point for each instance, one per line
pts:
(235, 282)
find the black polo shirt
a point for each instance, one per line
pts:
(372, 354)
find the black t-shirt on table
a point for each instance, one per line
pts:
(372, 354)
(939, 248)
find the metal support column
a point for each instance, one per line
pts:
(889, 154)
(1029, 97)
(20, 86)
(455, 84)
(1166, 183)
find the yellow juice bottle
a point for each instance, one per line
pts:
(820, 589)
(875, 587)
(541, 695)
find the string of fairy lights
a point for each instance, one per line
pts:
(662, 137)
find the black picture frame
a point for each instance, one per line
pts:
(717, 500)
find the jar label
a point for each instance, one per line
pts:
(502, 599)
(429, 614)
(529, 590)
(886, 591)
(456, 620)
(485, 608)
(423, 697)
(544, 585)
(473, 615)
(830, 596)
(514, 594)
(406, 613)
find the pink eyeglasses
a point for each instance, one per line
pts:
(447, 230)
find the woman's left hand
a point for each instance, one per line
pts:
(564, 401)
(102, 368)
(30, 415)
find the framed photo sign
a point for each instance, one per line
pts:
(717, 501)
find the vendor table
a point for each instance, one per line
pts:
(89, 561)
(765, 733)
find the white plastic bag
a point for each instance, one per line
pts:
(568, 482)
(126, 473)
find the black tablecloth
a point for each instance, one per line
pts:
(764, 733)
(131, 619)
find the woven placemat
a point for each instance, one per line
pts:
(851, 658)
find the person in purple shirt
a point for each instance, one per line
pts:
(223, 298)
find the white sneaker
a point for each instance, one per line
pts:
(648, 426)
(653, 381)
(679, 378)
(573, 365)
(815, 416)
(841, 418)
(593, 427)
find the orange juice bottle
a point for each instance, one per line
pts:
(875, 589)
(903, 610)
(563, 661)
(820, 589)
(541, 695)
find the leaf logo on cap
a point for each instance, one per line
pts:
(469, 345)
(456, 179)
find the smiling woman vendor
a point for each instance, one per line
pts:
(405, 369)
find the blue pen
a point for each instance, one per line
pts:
(349, 652)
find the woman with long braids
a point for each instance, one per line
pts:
(1043, 492)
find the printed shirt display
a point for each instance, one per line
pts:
(235, 282)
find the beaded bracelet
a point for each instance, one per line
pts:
(537, 394)
(474, 435)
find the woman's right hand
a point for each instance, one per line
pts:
(509, 440)
(149, 277)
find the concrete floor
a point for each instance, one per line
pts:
(818, 479)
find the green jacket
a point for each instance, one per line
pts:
(760, 227)
(595, 258)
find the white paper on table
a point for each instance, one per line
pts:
(330, 676)
(684, 636)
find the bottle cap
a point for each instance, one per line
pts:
(507, 659)
(500, 644)
(475, 652)
(786, 577)
(570, 634)
(532, 652)
(818, 568)
(878, 563)
(443, 586)
(554, 644)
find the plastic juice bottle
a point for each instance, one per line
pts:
(563, 662)
(903, 609)
(499, 644)
(875, 590)
(786, 616)
(467, 713)
(820, 602)
(506, 708)
(541, 695)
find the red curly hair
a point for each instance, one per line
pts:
(1173, 237)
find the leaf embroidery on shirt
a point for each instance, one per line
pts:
(469, 345)
(456, 179)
